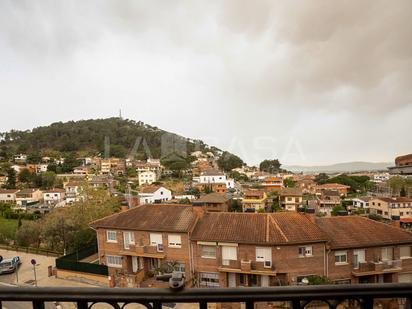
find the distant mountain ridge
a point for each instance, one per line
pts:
(341, 167)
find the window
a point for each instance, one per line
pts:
(128, 239)
(387, 254)
(114, 261)
(208, 252)
(305, 251)
(405, 252)
(156, 239)
(358, 257)
(228, 254)
(341, 257)
(111, 236)
(180, 267)
(264, 255)
(175, 241)
(209, 279)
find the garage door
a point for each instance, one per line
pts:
(405, 278)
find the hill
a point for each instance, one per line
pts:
(341, 167)
(88, 137)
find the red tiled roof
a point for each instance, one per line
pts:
(164, 217)
(254, 228)
(149, 189)
(291, 192)
(359, 232)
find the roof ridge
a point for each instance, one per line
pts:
(278, 228)
(267, 228)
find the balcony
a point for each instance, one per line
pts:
(373, 268)
(247, 267)
(363, 295)
(144, 251)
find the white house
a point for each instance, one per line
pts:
(73, 192)
(212, 176)
(20, 158)
(8, 196)
(41, 168)
(378, 178)
(54, 196)
(147, 177)
(361, 202)
(154, 194)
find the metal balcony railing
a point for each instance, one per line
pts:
(363, 295)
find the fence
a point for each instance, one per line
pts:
(30, 250)
(72, 262)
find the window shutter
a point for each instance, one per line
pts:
(229, 253)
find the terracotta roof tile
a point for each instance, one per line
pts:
(358, 232)
(165, 217)
(276, 228)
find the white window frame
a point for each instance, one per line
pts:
(409, 248)
(208, 256)
(229, 253)
(385, 253)
(174, 240)
(110, 233)
(307, 251)
(210, 276)
(128, 239)
(341, 253)
(156, 239)
(264, 254)
(116, 261)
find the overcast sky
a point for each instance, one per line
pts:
(311, 82)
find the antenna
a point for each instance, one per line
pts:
(120, 113)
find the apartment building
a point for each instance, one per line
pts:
(221, 249)
(254, 200)
(242, 249)
(272, 184)
(366, 251)
(147, 177)
(391, 208)
(291, 199)
(136, 243)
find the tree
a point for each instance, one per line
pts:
(321, 178)
(228, 161)
(403, 192)
(289, 183)
(25, 176)
(48, 180)
(396, 184)
(270, 166)
(236, 206)
(337, 209)
(11, 179)
(29, 234)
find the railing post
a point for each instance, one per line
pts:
(202, 305)
(367, 303)
(296, 304)
(82, 304)
(250, 304)
(157, 305)
(38, 304)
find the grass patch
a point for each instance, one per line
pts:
(8, 228)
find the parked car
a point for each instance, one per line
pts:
(8, 266)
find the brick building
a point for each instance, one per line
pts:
(146, 239)
(222, 249)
